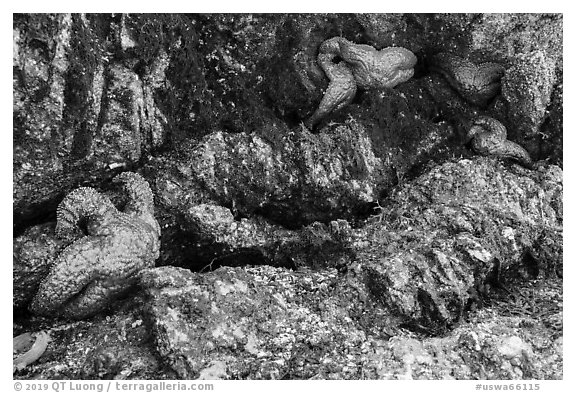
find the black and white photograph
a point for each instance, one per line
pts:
(287, 196)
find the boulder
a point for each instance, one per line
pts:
(527, 88)
(295, 180)
(271, 323)
(446, 233)
(249, 323)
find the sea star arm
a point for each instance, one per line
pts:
(486, 124)
(489, 139)
(340, 92)
(478, 84)
(373, 68)
(75, 268)
(104, 255)
(140, 198)
(76, 206)
(510, 149)
(105, 286)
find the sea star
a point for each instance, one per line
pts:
(489, 139)
(476, 83)
(99, 266)
(349, 66)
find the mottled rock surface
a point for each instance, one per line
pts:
(272, 316)
(227, 241)
(78, 114)
(270, 323)
(517, 336)
(444, 234)
(527, 89)
(115, 346)
(178, 77)
(300, 178)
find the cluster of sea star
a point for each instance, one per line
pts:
(350, 66)
(107, 247)
(478, 84)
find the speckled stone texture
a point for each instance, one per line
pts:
(113, 346)
(76, 77)
(527, 88)
(298, 179)
(272, 323)
(464, 252)
(272, 317)
(444, 234)
(77, 115)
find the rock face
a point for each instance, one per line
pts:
(255, 241)
(466, 233)
(79, 78)
(444, 234)
(113, 346)
(271, 315)
(77, 115)
(270, 323)
(527, 89)
(296, 180)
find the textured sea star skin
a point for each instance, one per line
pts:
(95, 268)
(476, 83)
(373, 68)
(489, 139)
(341, 89)
(360, 66)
